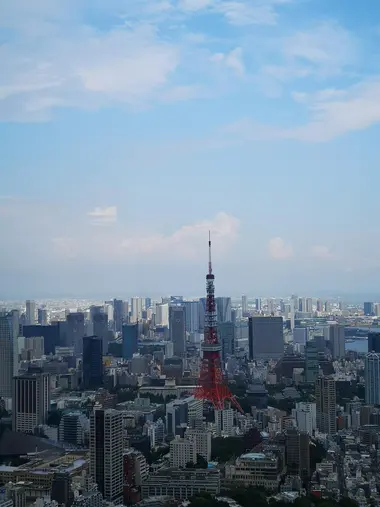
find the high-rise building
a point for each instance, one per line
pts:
(177, 329)
(92, 362)
(298, 453)
(300, 335)
(223, 309)
(31, 401)
(106, 452)
(130, 340)
(372, 378)
(266, 338)
(119, 314)
(202, 440)
(368, 308)
(374, 341)
(337, 341)
(136, 309)
(244, 305)
(54, 335)
(226, 331)
(224, 422)
(258, 304)
(305, 415)
(42, 316)
(9, 330)
(30, 313)
(311, 362)
(192, 316)
(75, 331)
(182, 452)
(325, 393)
(100, 323)
(162, 314)
(309, 305)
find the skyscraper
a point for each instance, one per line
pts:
(223, 309)
(31, 401)
(311, 362)
(42, 316)
(100, 327)
(298, 453)
(136, 309)
(118, 314)
(244, 305)
(9, 326)
(106, 452)
(30, 313)
(192, 316)
(374, 341)
(325, 393)
(372, 378)
(162, 314)
(368, 308)
(75, 330)
(130, 340)
(177, 329)
(92, 362)
(337, 341)
(266, 338)
(226, 332)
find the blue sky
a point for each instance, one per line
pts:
(129, 128)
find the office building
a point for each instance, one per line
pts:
(223, 309)
(244, 305)
(72, 428)
(202, 440)
(337, 341)
(300, 335)
(119, 314)
(266, 338)
(177, 329)
(298, 453)
(226, 332)
(106, 452)
(192, 312)
(100, 327)
(92, 362)
(182, 452)
(53, 335)
(162, 314)
(136, 309)
(9, 330)
(374, 341)
(224, 422)
(75, 331)
(31, 401)
(372, 378)
(368, 308)
(305, 415)
(325, 393)
(42, 316)
(130, 333)
(31, 347)
(311, 372)
(30, 312)
(257, 469)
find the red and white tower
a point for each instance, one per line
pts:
(212, 386)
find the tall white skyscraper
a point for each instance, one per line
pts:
(162, 314)
(106, 452)
(9, 329)
(136, 309)
(192, 311)
(372, 378)
(223, 309)
(30, 313)
(224, 422)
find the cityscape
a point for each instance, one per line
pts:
(144, 402)
(189, 253)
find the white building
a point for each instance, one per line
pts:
(244, 304)
(305, 415)
(337, 340)
(192, 312)
(372, 378)
(202, 440)
(30, 312)
(162, 314)
(136, 309)
(182, 451)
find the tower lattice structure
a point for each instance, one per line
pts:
(212, 386)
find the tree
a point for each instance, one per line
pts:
(201, 462)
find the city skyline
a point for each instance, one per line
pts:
(257, 120)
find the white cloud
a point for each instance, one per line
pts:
(278, 249)
(194, 5)
(255, 12)
(233, 60)
(103, 216)
(320, 252)
(188, 241)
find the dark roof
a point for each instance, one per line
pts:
(13, 443)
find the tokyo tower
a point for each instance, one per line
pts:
(212, 386)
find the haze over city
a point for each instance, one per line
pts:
(130, 129)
